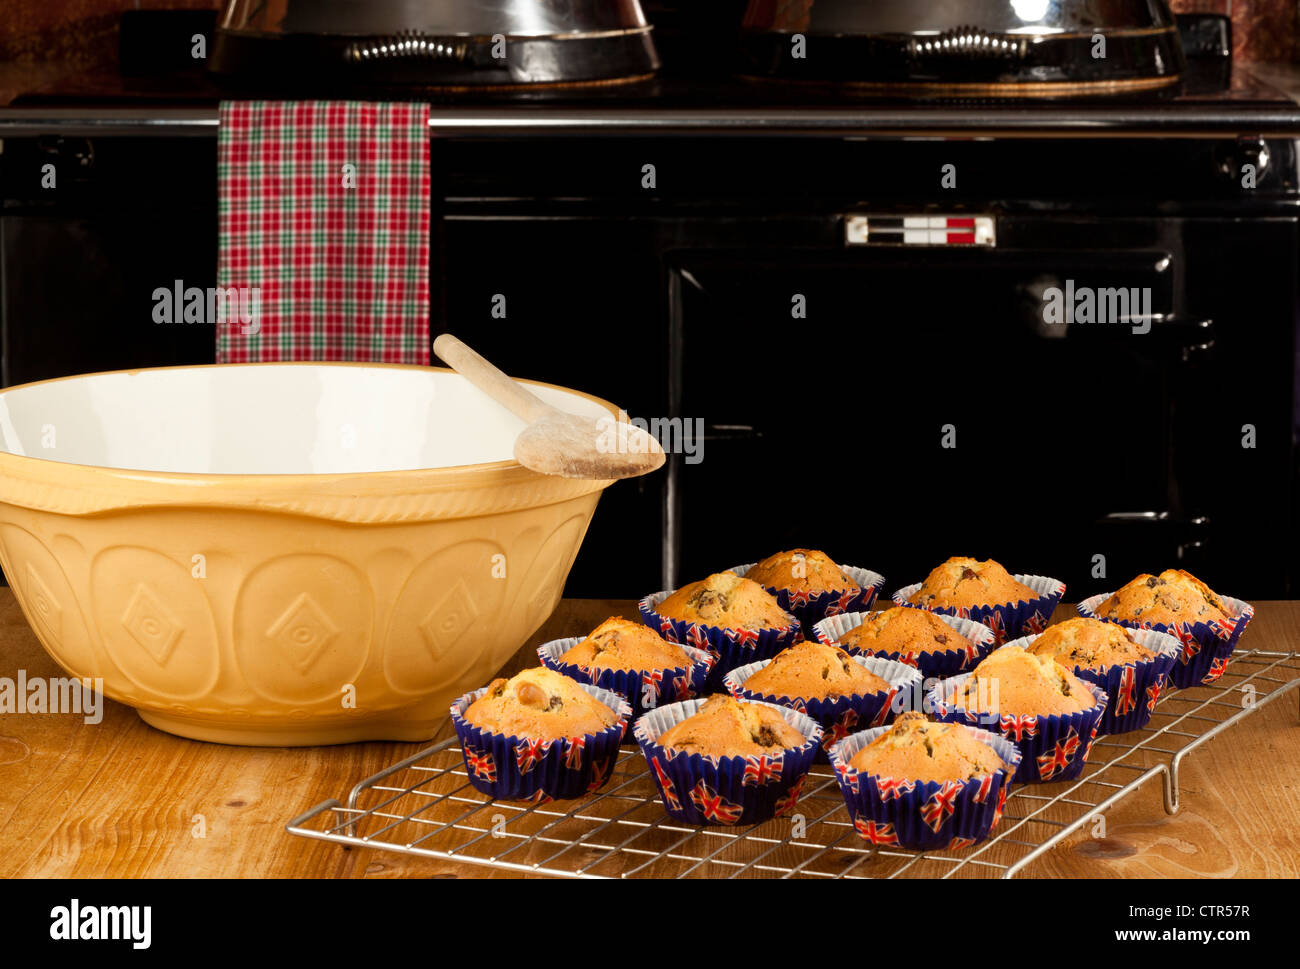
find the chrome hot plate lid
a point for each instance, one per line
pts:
(996, 47)
(315, 44)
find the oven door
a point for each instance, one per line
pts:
(90, 269)
(897, 405)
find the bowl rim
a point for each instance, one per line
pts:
(82, 489)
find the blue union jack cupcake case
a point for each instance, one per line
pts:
(725, 790)
(812, 608)
(732, 647)
(1009, 620)
(841, 715)
(923, 815)
(933, 663)
(644, 689)
(510, 768)
(1052, 748)
(1206, 646)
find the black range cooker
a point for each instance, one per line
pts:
(897, 325)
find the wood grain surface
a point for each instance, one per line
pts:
(120, 799)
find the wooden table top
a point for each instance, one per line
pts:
(120, 799)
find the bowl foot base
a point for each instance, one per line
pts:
(404, 729)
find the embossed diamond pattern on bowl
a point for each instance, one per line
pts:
(425, 806)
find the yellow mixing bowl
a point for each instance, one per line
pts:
(282, 554)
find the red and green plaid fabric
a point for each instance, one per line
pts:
(324, 208)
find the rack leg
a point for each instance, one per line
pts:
(1169, 778)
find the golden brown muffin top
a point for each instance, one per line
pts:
(725, 599)
(1171, 598)
(727, 727)
(621, 644)
(964, 582)
(904, 630)
(1091, 644)
(802, 570)
(917, 749)
(1012, 681)
(540, 704)
(811, 671)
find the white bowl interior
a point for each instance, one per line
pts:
(266, 419)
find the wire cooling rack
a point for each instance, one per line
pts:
(426, 806)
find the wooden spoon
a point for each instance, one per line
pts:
(556, 442)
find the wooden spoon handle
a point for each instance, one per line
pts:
(490, 380)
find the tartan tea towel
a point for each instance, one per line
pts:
(323, 222)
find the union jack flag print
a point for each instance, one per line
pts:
(994, 622)
(599, 773)
(481, 764)
(762, 770)
(1153, 694)
(851, 778)
(840, 729)
(786, 803)
(844, 603)
(982, 792)
(573, 752)
(1019, 727)
(878, 833)
(714, 806)
(1124, 700)
(540, 797)
(893, 787)
(1036, 623)
(883, 715)
(666, 630)
(666, 786)
(956, 844)
(1002, 803)
(650, 680)
(1217, 668)
(682, 687)
(530, 753)
(1191, 647)
(697, 637)
(799, 598)
(1092, 738)
(1057, 760)
(1224, 629)
(744, 638)
(941, 804)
